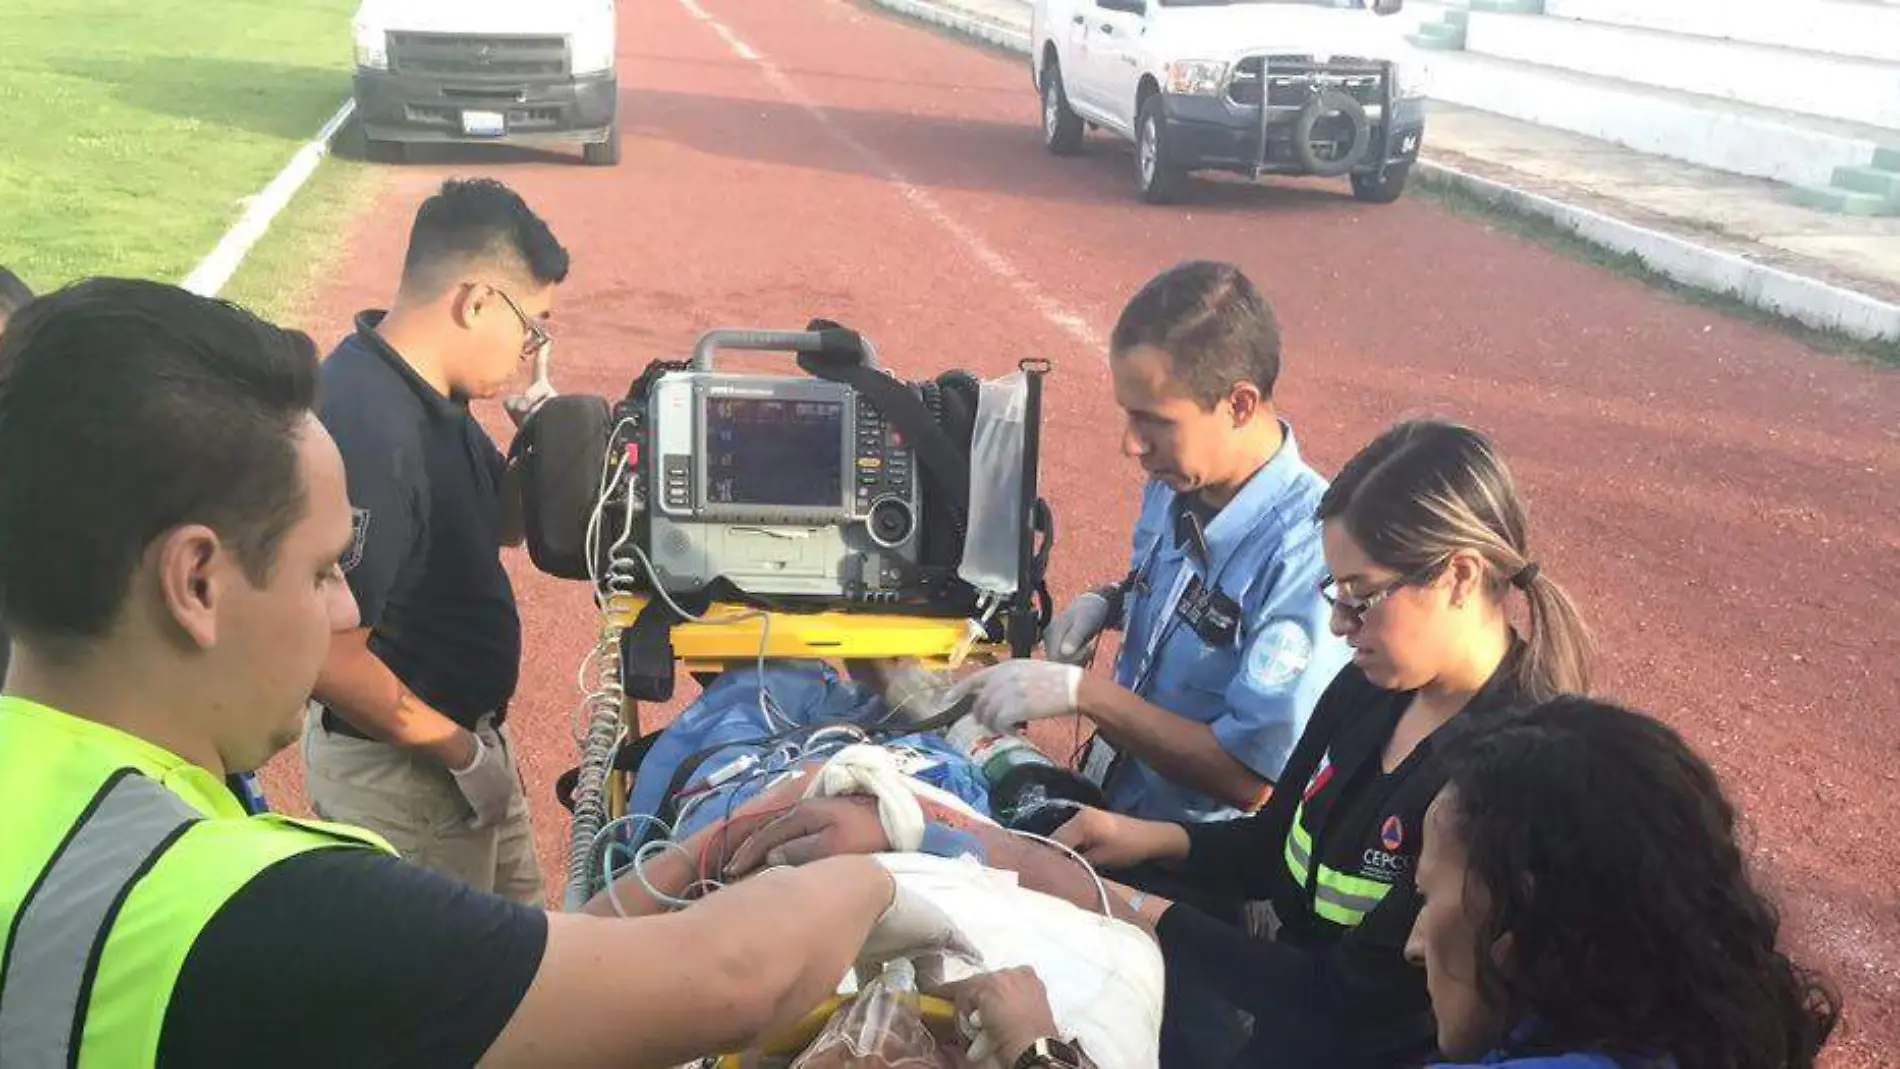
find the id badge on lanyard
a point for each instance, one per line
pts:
(1102, 756)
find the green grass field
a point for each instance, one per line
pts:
(136, 129)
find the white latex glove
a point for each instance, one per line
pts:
(1070, 637)
(488, 784)
(913, 927)
(521, 406)
(1016, 692)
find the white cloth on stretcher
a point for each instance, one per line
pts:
(1104, 976)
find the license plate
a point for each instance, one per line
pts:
(484, 123)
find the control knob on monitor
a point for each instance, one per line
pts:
(891, 522)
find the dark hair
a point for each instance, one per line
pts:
(479, 221)
(1426, 489)
(1212, 323)
(1608, 853)
(128, 408)
(14, 294)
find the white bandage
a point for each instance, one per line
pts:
(865, 769)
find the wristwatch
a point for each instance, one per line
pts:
(1051, 1053)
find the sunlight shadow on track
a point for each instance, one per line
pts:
(495, 157)
(945, 152)
(821, 76)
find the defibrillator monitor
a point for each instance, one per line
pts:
(832, 486)
(778, 485)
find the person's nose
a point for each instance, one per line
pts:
(1341, 622)
(345, 614)
(1415, 943)
(1132, 444)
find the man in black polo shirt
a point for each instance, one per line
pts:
(407, 734)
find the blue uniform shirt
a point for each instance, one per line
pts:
(1239, 640)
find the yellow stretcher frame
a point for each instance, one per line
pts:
(936, 642)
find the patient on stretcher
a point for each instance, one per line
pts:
(756, 745)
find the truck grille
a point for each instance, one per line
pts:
(1291, 80)
(472, 56)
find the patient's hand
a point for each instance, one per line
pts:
(815, 829)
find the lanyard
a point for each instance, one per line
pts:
(1103, 761)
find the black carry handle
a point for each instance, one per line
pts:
(832, 341)
(842, 355)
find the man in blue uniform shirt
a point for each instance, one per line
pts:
(1227, 645)
(1226, 639)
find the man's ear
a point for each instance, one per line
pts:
(1245, 401)
(467, 304)
(191, 573)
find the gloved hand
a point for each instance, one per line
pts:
(489, 784)
(1016, 692)
(913, 927)
(1070, 637)
(522, 405)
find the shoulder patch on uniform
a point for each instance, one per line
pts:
(1279, 655)
(359, 535)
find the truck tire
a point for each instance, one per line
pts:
(1331, 102)
(1061, 126)
(604, 153)
(1381, 189)
(1160, 180)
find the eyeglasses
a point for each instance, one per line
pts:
(1355, 610)
(538, 336)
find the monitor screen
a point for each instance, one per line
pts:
(764, 451)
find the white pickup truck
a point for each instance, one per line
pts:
(1254, 87)
(539, 73)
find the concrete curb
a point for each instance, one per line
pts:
(214, 272)
(1809, 301)
(970, 26)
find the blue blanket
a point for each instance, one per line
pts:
(748, 749)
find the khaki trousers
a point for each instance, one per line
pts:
(413, 803)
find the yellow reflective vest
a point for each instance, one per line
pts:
(116, 854)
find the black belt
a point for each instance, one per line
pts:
(336, 725)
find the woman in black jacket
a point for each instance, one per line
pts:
(1427, 543)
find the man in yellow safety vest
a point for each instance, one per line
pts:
(171, 521)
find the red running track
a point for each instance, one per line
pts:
(1720, 499)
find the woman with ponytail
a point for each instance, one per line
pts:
(1429, 552)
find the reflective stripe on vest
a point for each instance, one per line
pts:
(45, 986)
(1337, 897)
(116, 856)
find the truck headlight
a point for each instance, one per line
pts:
(372, 47)
(592, 46)
(1407, 82)
(1196, 77)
